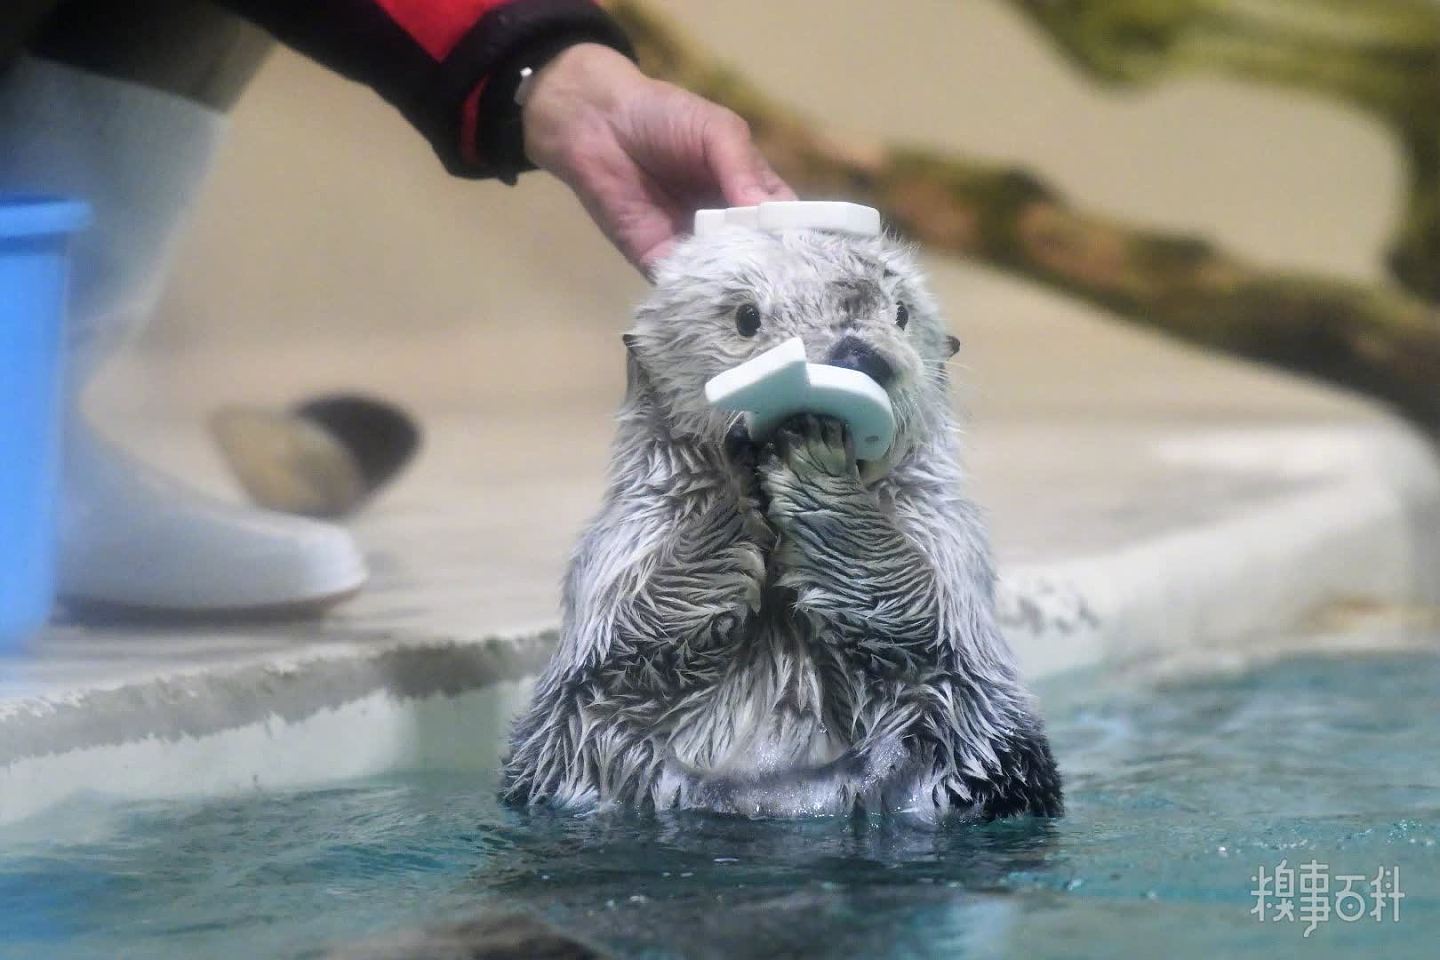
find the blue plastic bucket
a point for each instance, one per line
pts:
(34, 251)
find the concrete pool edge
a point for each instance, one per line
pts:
(1370, 531)
(1369, 535)
(286, 723)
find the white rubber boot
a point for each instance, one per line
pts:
(130, 537)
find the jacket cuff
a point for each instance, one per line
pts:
(486, 139)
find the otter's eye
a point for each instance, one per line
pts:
(902, 316)
(747, 319)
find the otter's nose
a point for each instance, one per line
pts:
(855, 354)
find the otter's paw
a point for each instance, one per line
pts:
(807, 465)
(742, 457)
(1026, 782)
(742, 454)
(815, 446)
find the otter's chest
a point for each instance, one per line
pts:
(775, 709)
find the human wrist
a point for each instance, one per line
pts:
(583, 79)
(526, 39)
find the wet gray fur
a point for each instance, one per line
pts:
(775, 629)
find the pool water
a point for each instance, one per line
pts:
(1178, 794)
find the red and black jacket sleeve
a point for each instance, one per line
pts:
(450, 66)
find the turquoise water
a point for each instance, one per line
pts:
(1177, 794)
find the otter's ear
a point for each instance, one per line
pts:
(952, 346)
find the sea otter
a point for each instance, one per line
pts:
(771, 628)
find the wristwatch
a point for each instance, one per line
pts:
(502, 131)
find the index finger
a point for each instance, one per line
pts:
(740, 170)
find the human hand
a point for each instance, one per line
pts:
(641, 155)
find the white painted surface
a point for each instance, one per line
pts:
(374, 734)
(1368, 531)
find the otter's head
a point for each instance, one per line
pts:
(856, 302)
